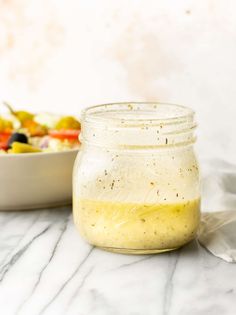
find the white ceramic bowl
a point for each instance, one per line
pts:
(37, 180)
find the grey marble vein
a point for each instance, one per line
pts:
(66, 282)
(75, 294)
(63, 229)
(100, 301)
(11, 251)
(136, 261)
(168, 289)
(5, 268)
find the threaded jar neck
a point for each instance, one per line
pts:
(138, 125)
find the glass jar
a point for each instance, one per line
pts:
(136, 179)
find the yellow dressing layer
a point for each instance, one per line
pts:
(137, 226)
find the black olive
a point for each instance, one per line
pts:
(19, 137)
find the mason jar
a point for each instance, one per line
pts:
(136, 178)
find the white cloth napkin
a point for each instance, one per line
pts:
(218, 226)
(218, 234)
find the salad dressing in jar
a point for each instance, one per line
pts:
(136, 178)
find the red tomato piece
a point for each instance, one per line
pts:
(3, 146)
(4, 136)
(69, 134)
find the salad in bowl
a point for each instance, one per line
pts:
(25, 132)
(44, 177)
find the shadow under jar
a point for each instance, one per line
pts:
(136, 178)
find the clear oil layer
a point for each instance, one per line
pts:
(137, 228)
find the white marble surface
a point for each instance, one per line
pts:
(46, 268)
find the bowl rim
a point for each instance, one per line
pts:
(36, 154)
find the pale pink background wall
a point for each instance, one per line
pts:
(64, 55)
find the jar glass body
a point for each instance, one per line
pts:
(136, 185)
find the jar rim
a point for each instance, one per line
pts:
(133, 113)
(138, 124)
